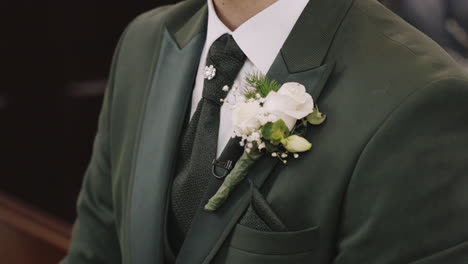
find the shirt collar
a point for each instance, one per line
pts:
(262, 36)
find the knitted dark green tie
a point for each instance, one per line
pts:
(199, 142)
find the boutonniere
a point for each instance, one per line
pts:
(269, 119)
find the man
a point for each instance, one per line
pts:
(384, 183)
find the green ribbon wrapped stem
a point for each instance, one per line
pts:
(238, 173)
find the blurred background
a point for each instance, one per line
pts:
(55, 59)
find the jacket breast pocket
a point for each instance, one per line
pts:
(249, 246)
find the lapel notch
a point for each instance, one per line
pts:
(194, 26)
(309, 41)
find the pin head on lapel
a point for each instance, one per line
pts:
(209, 72)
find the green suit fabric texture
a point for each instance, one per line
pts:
(385, 182)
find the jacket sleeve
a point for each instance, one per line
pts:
(407, 200)
(94, 237)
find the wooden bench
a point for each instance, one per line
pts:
(29, 236)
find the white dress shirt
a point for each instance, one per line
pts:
(260, 38)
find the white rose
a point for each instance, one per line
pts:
(245, 118)
(290, 103)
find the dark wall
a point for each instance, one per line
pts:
(55, 57)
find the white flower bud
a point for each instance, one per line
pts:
(296, 143)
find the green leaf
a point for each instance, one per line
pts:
(267, 131)
(280, 125)
(279, 132)
(276, 137)
(316, 117)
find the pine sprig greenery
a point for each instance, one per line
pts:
(249, 92)
(259, 84)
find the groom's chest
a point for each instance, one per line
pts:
(306, 195)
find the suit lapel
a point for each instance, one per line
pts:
(166, 106)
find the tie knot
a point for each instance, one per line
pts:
(223, 63)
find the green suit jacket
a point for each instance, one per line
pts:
(386, 180)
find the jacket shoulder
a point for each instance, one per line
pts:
(396, 47)
(148, 23)
(171, 16)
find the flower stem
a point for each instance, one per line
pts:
(238, 173)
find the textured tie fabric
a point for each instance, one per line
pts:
(199, 141)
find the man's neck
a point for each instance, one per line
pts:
(234, 13)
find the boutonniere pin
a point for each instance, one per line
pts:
(270, 119)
